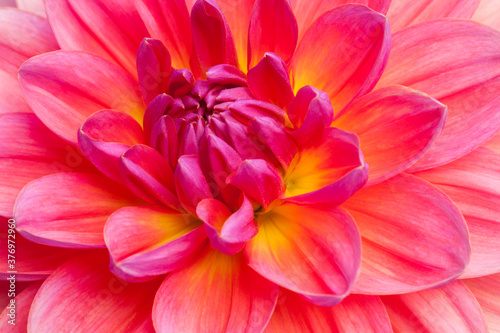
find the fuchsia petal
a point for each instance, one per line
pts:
(213, 42)
(269, 81)
(149, 176)
(273, 28)
(84, 290)
(486, 13)
(246, 110)
(63, 92)
(226, 75)
(473, 183)
(190, 183)
(219, 293)
(69, 209)
(351, 44)
(15, 48)
(154, 111)
(449, 309)
(105, 136)
(312, 251)
(28, 151)
(329, 170)
(150, 241)
(404, 13)
(19, 310)
(413, 236)
(395, 126)
(273, 136)
(258, 180)
(168, 21)
(228, 232)
(111, 29)
(486, 290)
(310, 113)
(32, 6)
(32, 261)
(356, 313)
(468, 84)
(153, 68)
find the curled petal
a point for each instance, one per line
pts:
(149, 241)
(62, 91)
(69, 209)
(413, 236)
(155, 110)
(226, 75)
(190, 183)
(395, 125)
(486, 290)
(329, 170)
(105, 136)
(246, 110)
(240, 300)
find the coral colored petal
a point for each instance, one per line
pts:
(351, 44)
(112, 28)
(311, 251)
(168, 21)
(84, 290)
(413, 236)
(486, 290)
(29, 150)
(452, 308)
(32, 6)
(487, 13)
(404, 13)
(395, 126)
(20, 310)
(31, 261)
(62, 91)
(15, 48)
(273, 28)
(329, 170)
(212, 38)
(150, 241)
(457, 63)
(356, 313)
(473, 183)
(219, 292)
(69, 209)
(106, 136)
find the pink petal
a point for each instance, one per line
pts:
(413, 236)
(493, 143)
(212, 38)
(190, 183)
(32, 261)
(246, 110)
(62, 91)
(150, 241)
(84, 290)
(226, 75)
(307, 250)
(111, 29)
(395, 126)
(487, 13)
(220, 294)
(452, 308)
(269, 81)
(259, 180)
(105, 137)
(32, 6)
(29, 150)
(356, 313)
(350, 43)
(473, 183)
(486, 290)
(273, 28)
(404, 13)
(328, 170)
(69, 209)
(228, 232)
(455, 62)
(15, 48)
(18, 311)
(154, 111)
(168, 21)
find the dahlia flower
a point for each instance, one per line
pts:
(250, 166)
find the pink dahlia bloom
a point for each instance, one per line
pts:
(251, 165)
